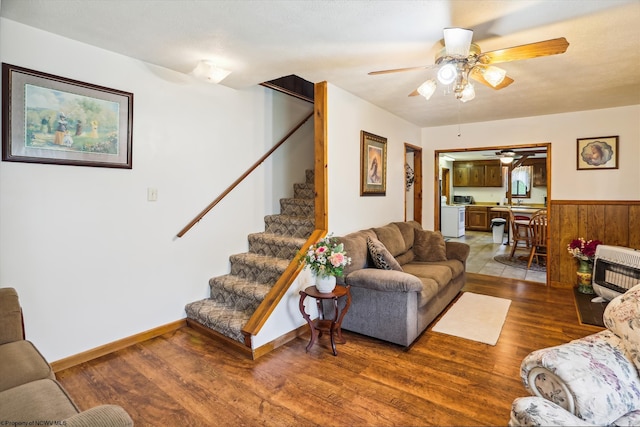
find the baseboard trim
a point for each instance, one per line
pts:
(241, 348)
(103, 350)
(280, 341)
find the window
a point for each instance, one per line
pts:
(521, 181)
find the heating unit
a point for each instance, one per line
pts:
(615, 270)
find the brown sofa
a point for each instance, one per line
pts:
(29, 392)
(401, 278)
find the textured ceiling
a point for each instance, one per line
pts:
(341, 41)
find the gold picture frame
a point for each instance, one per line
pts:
(373, 165)
(597, 153)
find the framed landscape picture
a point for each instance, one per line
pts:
(52, 119)
(598, 153)
(373, 165)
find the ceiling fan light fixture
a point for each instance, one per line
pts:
(427, 88)
(447, 74)
(457, 41)
(507, 156)
(494, 75)
(207, 70)
(506, 160)
(468, 93)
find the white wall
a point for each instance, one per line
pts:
(348, 115)
(562, 131)
(92, 259)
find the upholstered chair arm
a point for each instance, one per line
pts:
(384, 280)
(457, 250)
(591, 377)
(537, 411)
(100, 416)
(11, 328)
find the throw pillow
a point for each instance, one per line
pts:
(429, 246)
(382, 258)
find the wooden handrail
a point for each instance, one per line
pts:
(206, 210)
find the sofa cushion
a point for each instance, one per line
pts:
(456, 267)
(381, 257)
(10, 316)
(440, 273)
(384, 280)
(407, 229)
(406, 257)
(622, 317)
(391, 238)
(429, 291)
(429, 246)
(22, 363)
(37, 400)
(355, 245)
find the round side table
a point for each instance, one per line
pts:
(332, 326)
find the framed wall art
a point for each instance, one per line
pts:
(598, 153)
(52, 119)
(373, 165)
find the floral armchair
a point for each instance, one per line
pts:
(589, 381)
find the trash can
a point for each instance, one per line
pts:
(497, 226)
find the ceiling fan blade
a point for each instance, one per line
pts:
(476, 75)
(399, 70)
(414, 93)
(526, 51)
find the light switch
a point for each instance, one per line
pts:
(152, 194)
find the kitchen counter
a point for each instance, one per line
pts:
(517, 209)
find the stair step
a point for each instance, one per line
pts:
(242, 293)
(289, 225)
(304, 191)
(258, 268)
(275, 245)
(297, 207)
(224, 318)
(310, 176)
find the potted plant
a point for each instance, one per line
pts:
(584, 251)
(326, 259)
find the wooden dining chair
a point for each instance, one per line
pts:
(538, 227)
(520, 232)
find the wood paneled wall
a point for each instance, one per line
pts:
(612, 222)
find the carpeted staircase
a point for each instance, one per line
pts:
(235, 296)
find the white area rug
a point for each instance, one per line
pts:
(475, 317)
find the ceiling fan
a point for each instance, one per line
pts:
(460, 59)
(508, 156)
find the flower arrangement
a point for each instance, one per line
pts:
(582, 249)
(326, 258)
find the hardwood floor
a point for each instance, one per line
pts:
(186, 379)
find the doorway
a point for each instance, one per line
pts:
(413, 183)
(537, 198)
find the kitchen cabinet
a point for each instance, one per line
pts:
(460, 175)
(478, 218)
(540, 174)
(493, 176)
(478, 173)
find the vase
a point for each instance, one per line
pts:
(325, 284)
(585, 269)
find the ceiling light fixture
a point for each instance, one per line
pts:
(507, 156)
(493, 75)
(457, 60)
(207, 70)
(447, 74)
(427, 88)
(468, 93)
(457, 41)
